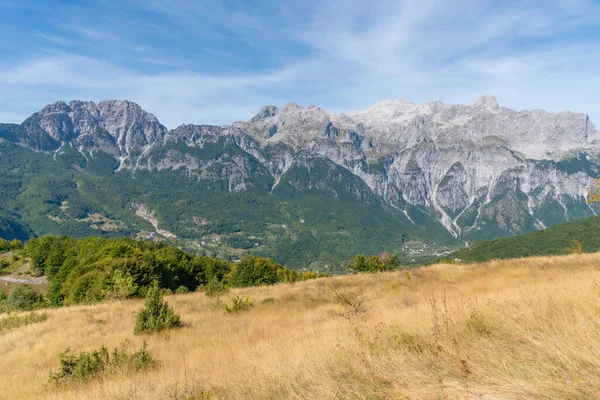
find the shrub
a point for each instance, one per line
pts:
(22, 297)
(85, 288)
(353, 303)
(255, 271)
(182, 290)
(156, 315)
(17, 321)
(238, 304)
(308, 275)
(384, 262)
(576, 247)
(451, 261)
(15, 244)
(86, 365)
(38, 250)
(122, 286)
(215, 287)
(4, 245)
(4, 264)
(285, 275)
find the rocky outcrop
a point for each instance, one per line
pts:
(114, 126)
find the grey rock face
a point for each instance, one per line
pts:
(481, 170)
(473, 167)
(113, 126)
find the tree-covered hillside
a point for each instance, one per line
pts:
(551, 241)
(300, 185)
(94, 269)
(317, 216)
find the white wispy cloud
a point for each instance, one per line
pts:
(456, 51)
(85, 31)
(175, 98)
(339, 54)
(55, 39)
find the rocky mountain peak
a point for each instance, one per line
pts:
(116, 126)
(487, 102)
(291, 105)
(58, 107)
(75, 104)
(125, 107)
(265, 112)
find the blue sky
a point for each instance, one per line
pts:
(218, 61)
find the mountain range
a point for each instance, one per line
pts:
(299, 184)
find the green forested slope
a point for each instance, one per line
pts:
(316, 217)
(94, 269)
(550, 241)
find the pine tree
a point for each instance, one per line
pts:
(156, 315)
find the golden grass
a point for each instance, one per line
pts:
(518, 329)
(16, 321)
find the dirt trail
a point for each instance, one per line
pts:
(25, 279)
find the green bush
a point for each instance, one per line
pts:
(38, 250)
(449, 261)
(87, 365)
(4, 246)
(308, 275)
(215, 287)
(86, 288)
(182, 290)
(22, 297)
(238, 304)
(15, 244)
(121, 286)
(385, 262)
(156, 315)
(256, 271)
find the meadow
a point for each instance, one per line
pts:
(501, 330)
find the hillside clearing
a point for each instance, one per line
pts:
(517, 329)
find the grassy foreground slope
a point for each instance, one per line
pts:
(519, 329)
(550, 241)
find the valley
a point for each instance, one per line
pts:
(299, 200)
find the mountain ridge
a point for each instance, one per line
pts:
(481, 170)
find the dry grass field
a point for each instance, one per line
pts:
(518, 329)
